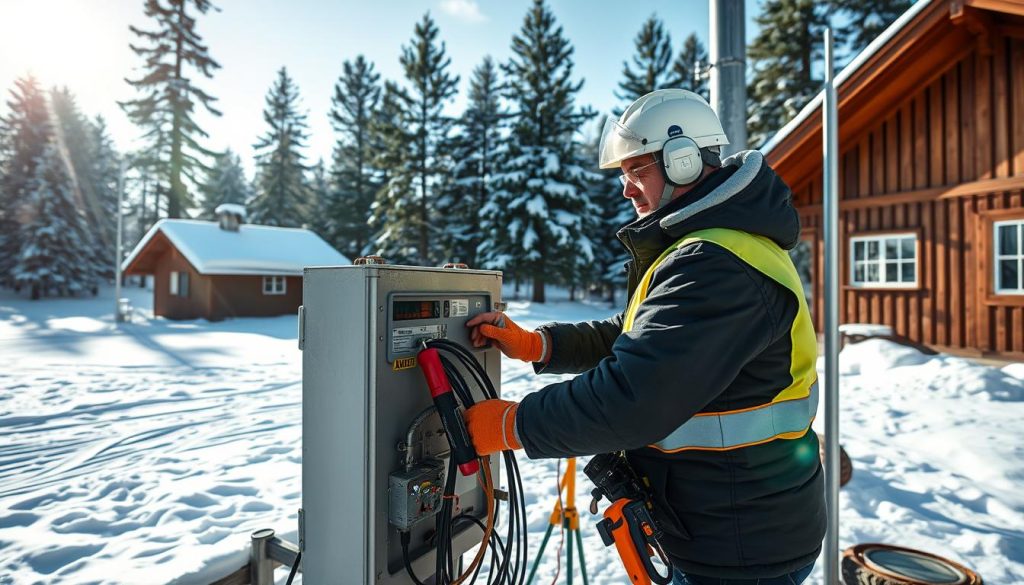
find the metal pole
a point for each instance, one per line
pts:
(261, 566)
(830, 210)
(727, 53)
(118, 317)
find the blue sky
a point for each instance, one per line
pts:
(84, 44)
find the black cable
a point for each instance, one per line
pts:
(295, 568)
(508, 556)
(404, 537)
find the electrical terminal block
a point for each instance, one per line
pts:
(415, 494)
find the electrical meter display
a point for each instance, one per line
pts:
(407, 310)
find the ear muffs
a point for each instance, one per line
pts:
(681, 160)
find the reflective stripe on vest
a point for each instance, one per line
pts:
(789, 414)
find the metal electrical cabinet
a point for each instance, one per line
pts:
(359, 329)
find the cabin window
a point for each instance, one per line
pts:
(1009, 257)
(884, 261)
(179, 284)
(274, 285)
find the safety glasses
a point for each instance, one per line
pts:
(631, 176)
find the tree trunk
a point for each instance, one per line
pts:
(538, 289)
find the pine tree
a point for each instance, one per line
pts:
(787, 45)
(867, 19)
(354, 180)
(320, 194)
(428, 88)
(475, 151)
(56, 247)
(26, 132)
(225, 183)
(92, 162)
(393, 211)
(649, 68)
(282, 197)
(104, 172)
(539, 223)
(684, 68)
(173, 55)
(615, 212)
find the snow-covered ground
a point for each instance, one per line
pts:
(147, 453)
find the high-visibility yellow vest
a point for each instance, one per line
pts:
(791, 411)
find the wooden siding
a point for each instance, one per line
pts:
(193, 306)
(242, 296)
(945, 162)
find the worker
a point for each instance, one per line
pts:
(707, 379)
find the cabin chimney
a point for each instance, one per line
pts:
(230, 216)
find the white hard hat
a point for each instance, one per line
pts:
(655, 118)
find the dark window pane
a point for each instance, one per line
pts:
(892, 270)
(183, 285)
(873, 275)
(858, 273)
(892, 246)
(1008, 239)
(908, 272)
(858, 250)
(873, 250)
(908, 247)
(1008, 271)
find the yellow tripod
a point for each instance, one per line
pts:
(567, 519)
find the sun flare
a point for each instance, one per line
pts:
(61, 42)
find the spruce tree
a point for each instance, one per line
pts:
(684, 68)
(56, 253)
(282, 196)
(354, 181)
(539, 223)
(649, 69)
(475, 152)
(866, 19)
(781, 56)
(173, 55)
(26, 132)
(428, 88)
(225, 183)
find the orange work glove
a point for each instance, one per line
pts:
(491, 425)
(513, 341)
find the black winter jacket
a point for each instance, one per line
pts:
(712, 335)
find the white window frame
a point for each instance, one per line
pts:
(997, 257)
(880, 262)
(274, 281)
(173, 284)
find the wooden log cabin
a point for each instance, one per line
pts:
(215, 270)
(931, 175)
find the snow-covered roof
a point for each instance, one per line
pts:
(858, 61)
(234, 208)
(253, 249)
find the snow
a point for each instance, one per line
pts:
(234, 208)
(253, 249)
(147, 453)
(865, 329)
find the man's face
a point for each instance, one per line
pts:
(643, 183)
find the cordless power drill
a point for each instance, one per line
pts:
(627, 522)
